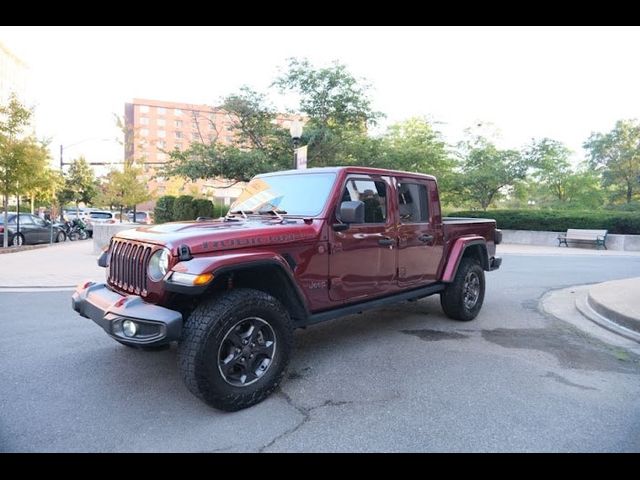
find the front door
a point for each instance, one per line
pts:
(418, 258)
(363, 258)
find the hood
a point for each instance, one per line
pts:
(217, 235)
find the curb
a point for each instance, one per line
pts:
(615, 316)
(585, 307)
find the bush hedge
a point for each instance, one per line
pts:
(172, 209)
(626, 223)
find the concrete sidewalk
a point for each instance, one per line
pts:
(59, 266)
(517, 249)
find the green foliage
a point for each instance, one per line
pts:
(551, 168)
(560, 220)
(122, 188)
(23, 160)
(164, 209)
(219, 210)
(486, 171)
(261, 145)
(80, 183)
(336, 105)
(616, 155)
(203, 207)
(184, 209)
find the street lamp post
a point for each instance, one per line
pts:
(296, 132)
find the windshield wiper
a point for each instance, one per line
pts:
(241, 212)
(274, 211)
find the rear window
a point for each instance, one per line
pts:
(101, 215)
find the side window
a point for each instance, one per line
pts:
(39, 222)
(26, 220)
(370, 192)
(412, 203)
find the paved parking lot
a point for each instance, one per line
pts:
(402, 378)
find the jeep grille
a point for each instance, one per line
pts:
(128, 266)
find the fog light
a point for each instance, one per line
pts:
(129, 328)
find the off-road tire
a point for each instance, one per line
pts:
(453, 297)
(206, 330)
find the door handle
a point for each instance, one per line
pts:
(386, 241)
(425, 238)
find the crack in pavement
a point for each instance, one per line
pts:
(564, 381)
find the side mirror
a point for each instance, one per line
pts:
(352, 212)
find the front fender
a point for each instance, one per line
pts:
(457, 252)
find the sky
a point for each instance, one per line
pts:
(529, 82)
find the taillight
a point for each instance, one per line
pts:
(1, 229)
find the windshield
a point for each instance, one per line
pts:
(299, 194)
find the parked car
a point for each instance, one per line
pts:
(98, 216)
(296, 248)
(141, 217)
(33, 229)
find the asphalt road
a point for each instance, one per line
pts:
(395, 379)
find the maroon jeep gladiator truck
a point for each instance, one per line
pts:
(296, 248)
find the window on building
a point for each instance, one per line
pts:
(144, 121)
(161, 133)
(161, 144)
(195, 136)
(161, 122)
(178, 123)
(178, 134)
(144, 108)
(178, 146)
(412, 203)
(161, 156)
(144, 132)
(161, 110)
(372, 193)
(177, 112)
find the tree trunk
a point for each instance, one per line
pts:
(33, 201)
(629, 192)
(5, 234)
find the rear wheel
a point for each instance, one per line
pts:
(235, 348)
(462, 299)
(17, 240)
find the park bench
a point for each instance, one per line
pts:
(575, 235)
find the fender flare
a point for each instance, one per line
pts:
(222, 265)
(457, 252)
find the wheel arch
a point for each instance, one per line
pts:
(473, 247)
(269, 276)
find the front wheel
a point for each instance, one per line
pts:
(235, 348)
(462, 299)
(60, 237)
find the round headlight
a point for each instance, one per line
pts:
(158, 265)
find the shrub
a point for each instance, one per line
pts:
(560, 220)
(219, 210)
(183, 208)
(164, 209)
(203, 207)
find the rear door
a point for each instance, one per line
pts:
(418, 252)
(363, 258)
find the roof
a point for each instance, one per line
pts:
(355, 169)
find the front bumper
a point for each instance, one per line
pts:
(156, 325)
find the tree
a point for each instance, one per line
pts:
(616, 155)
(80, 183)
(261, 145)
(486, 171)
(20, 154)
(336, 104)
(164, 209)
(123, 189)
(550, 162)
